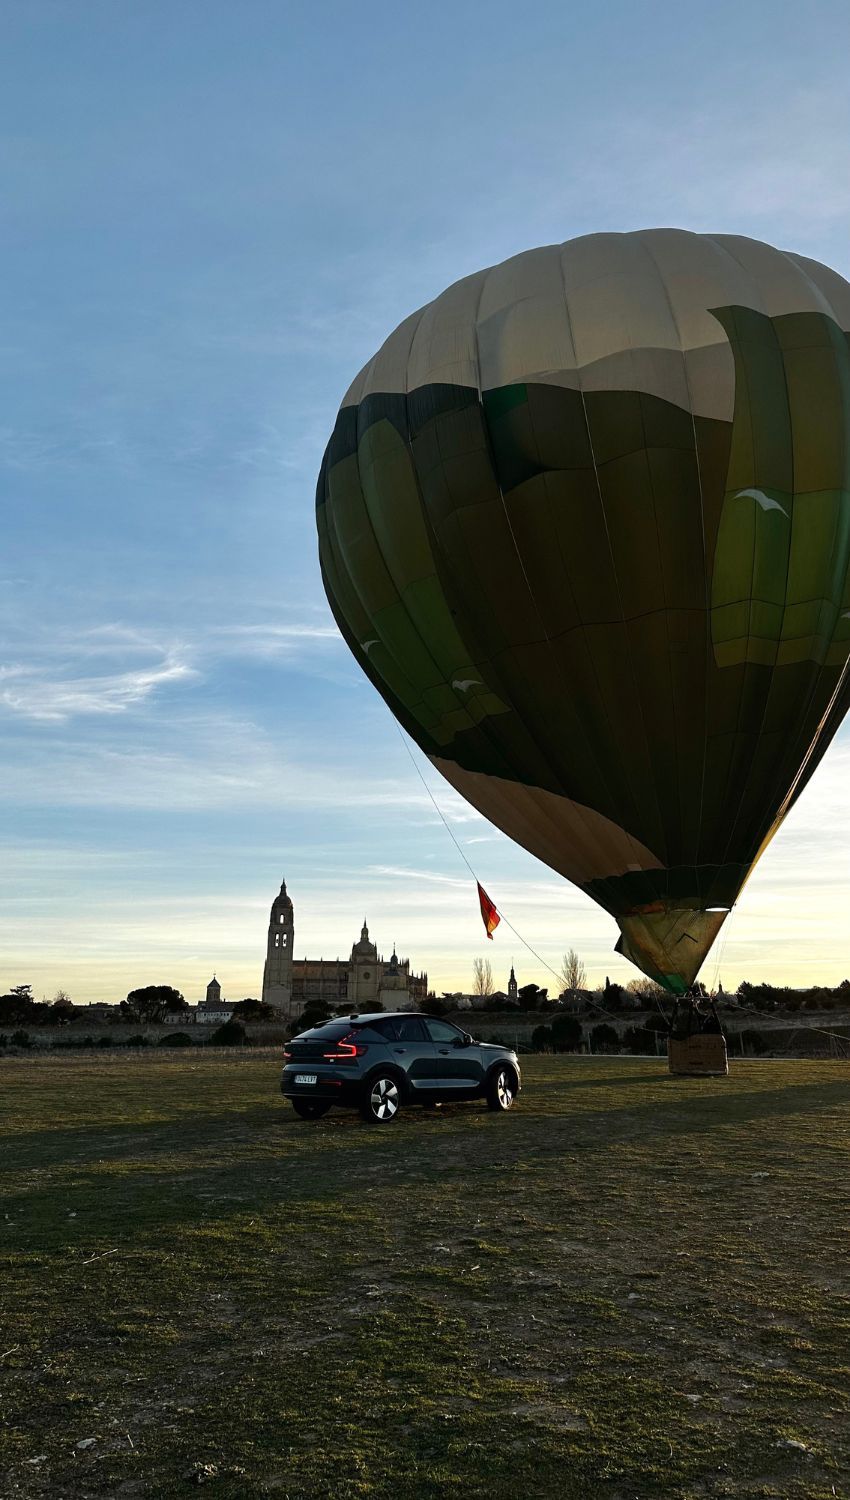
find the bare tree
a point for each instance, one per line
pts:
(482, 977)
(649, 992)
(573, 975)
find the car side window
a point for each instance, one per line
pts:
(410, 1029)
(441, 1031)
(387, 1029)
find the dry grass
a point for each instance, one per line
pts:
(631, 1286)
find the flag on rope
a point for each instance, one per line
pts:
(489, 915)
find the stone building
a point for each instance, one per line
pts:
(277, 974)
(212, 1011)
(358, 982)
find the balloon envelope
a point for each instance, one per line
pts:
(584, 521)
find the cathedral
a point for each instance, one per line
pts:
(358, 982)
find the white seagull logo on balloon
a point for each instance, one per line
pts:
(761, 499)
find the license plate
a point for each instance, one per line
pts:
(305, 1077)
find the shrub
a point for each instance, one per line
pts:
(567, 1033)
(604, 1038)
(231, 1034)
(541, 1039)
(639, 1039)
(531, 997)
(657, 1023)
(137, 1041)
(434, 1006)
(176, 1039)
(104, 1041)
(21, 1039)
(754, 1043)
(315, 1013)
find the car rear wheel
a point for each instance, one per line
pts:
(381, 1099)
(310, 1109)
(501, 1089)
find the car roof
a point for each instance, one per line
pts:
(384, 1015)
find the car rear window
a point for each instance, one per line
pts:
(398, 1028)
(385, 1028)
(332, 1030)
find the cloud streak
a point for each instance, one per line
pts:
(33, 693)
(59, 681)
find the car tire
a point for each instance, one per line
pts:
(381, 1099)
(310, 1109)
(501, 1088)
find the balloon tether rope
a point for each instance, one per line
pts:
(601, 1008)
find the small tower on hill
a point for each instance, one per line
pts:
(512, 986)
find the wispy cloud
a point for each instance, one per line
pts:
(54, 675)
(403, 872)
(199, 761)
(267, 641)
(34, 693)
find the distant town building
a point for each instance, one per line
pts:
(492, 1001)
(358, 982)
(213, 1011)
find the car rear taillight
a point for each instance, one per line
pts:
(346, 1049)
(287, 1054)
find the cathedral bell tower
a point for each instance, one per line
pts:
(277, 975)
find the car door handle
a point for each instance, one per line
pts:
(444, 1051)
(402, 1050)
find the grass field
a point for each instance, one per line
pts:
(632, 1285)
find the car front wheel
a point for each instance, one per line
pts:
(310, 1109)
(502, 1088)
(381, 1100)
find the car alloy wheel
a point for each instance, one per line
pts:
(502, 1090)
(383, 1100)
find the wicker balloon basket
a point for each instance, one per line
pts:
(702, 1055)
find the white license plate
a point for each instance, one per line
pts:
(305, 1077)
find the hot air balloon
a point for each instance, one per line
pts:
(584, 521)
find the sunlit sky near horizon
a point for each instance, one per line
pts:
(212, 214)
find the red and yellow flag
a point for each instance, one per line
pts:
(489, 915)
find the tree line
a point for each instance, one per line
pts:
(147, 1006)
(615, 997)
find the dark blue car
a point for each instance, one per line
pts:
(377, 1063)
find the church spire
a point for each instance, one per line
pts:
(277, 975)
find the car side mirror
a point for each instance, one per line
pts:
(463, 1040)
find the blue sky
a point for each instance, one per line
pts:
(211, 216)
